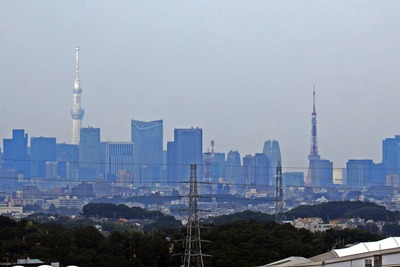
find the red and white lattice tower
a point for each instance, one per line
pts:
(314, 145)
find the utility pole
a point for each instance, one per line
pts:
(193, 255)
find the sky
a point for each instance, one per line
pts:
(243, 71)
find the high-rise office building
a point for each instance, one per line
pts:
(234, 168)
(391, 155)
(247, 171)
(322, 173)
(255, 170)
(15, 154)
(67, 161)
(89, 154)
(261, 169)
(272, 151)
(186, 149)
(293, 179)
(359, 173)
(119, 156)
(147, 137)
(43, 151)
(218, 166)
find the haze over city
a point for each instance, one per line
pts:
(242, 71)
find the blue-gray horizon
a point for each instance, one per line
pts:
(242, 71)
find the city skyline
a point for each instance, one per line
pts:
(241, 76)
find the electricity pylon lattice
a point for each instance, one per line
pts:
(278, 194)
(193, 255)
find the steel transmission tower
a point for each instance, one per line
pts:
(193, 255)
(314, 145)
(278, 194)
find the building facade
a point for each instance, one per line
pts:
(89, 154)
(186, 149)
(43, 151)
(147, 137)
(272, 151)
(15, 154)
(119, 156)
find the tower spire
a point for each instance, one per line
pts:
(77, 63)
(77, 112)
(314, 113)
(314, 145)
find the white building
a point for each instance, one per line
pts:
(313, 224)
(383, 253)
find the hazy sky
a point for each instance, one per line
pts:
(242, 70)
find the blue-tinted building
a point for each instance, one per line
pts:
(218, 166)
(171, 161)
(295, 179)
(272, 151)
(89, 154)
(67, 161)
(233, 168)
(247, 171)
(119, 156)
(391, 155)
(186, 149)
(322, 173)
(15, 155)
(255, 170)
(43, 150)
(359, 173)
(147, 137)
(365, 174)
(261, 169)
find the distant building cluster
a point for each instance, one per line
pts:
(91, 167)
(140, 162)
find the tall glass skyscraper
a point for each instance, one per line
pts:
(147, 137)
(16, 153)
(186, 149)
(43, 149)
(272, 151)
(67, 161)
(233, 168)
(119, 157)
(359, 173)
(89, 154)
(391, 155)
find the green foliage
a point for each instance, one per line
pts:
(391, 229)
(108, 210)
(246, 215)
(82, 246)
(344, 209)
(238, 243)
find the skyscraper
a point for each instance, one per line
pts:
(147, 137)
(359, 172)
(67, 161)
(272, 151)
(233, 168)
(391, 155)
(261, 169)
(16, 153)
(43, 149)
(77, 112)
(89, 153)
(218, 166)
(119, 157)
(186, 149)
